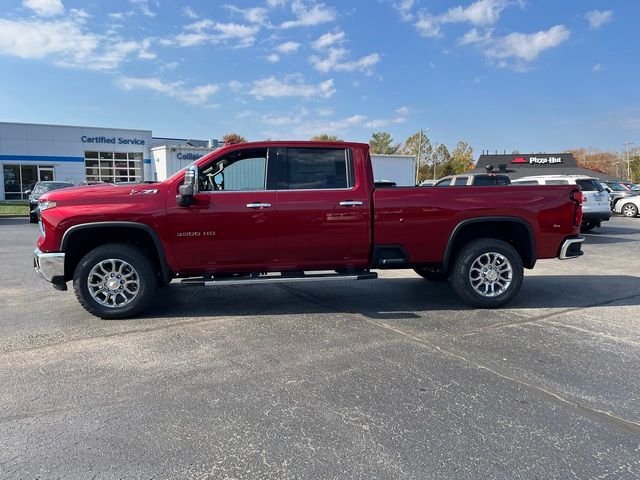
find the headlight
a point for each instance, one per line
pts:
(46, 205)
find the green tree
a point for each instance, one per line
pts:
(462, 158)
(325, 137)
(423, 151)
(382, 143)
(442, 159)
(234, 138)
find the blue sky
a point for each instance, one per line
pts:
(500, 74)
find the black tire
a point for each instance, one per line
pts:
(587, 227)
(479, 250)
(629, 210)
(33, 218)
(431, 275)
(143, 272)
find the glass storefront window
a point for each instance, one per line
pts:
(21, 178)
(113, 167)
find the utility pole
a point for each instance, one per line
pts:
(418, 159)
(628, 143)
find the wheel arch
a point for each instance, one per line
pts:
(80, 239)
(514, 230)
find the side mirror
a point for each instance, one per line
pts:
(27, 192)
(189, 187)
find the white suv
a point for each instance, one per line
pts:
(596, 207)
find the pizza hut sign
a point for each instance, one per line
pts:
(537, 160)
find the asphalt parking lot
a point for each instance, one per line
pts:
(392, 378)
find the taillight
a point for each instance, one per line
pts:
(577, 197)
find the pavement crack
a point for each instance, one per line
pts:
(591, 412)
(498, 326)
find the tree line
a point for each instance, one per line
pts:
(610, 162)
(434, 160)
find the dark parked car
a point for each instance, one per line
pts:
(40, 189)
(618, 191)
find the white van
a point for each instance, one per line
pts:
(596, 207)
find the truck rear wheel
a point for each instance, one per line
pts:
(115, 281)
(487, 273)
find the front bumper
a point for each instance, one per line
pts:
(571, 248)
(50, 266)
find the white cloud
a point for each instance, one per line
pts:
(481, 12)
(404, 8)
(311, 127)
(251, 15)
(401, 115)
(273, 58)
(274, 88)
(427, 25)
(208, 31)
(143, 6)
(195, 95)
(597, 68)
(328, 39)
(527, 47)
(190, 13)
(288, 47)
(474, 36)
(598, 18)
(309, 15)
(337, 60)
(45, 8)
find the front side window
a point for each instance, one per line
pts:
(316, 168)
(557, 182)
(239, 171)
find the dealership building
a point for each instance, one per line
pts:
(37, 152)
(34, 152)
(518, 165)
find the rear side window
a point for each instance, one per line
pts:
(525, 182)
(589, 185)
(487, 181)
(460, 181)
(557, 182)
(316, 168)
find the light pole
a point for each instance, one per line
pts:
(628, 143)
(422, 132)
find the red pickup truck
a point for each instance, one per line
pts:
(295, 211)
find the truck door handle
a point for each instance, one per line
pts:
(258, 205)
(351, 203)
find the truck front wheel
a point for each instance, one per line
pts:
(487, 273)
(114, 281)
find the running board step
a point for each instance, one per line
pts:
(278, 278)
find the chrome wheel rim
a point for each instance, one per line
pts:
(629, 211)
(113, 283)
(490, 274)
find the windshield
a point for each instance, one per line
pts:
(616, 187)
(43, 188)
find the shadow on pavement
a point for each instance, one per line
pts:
(14, 221)
(388, 298)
